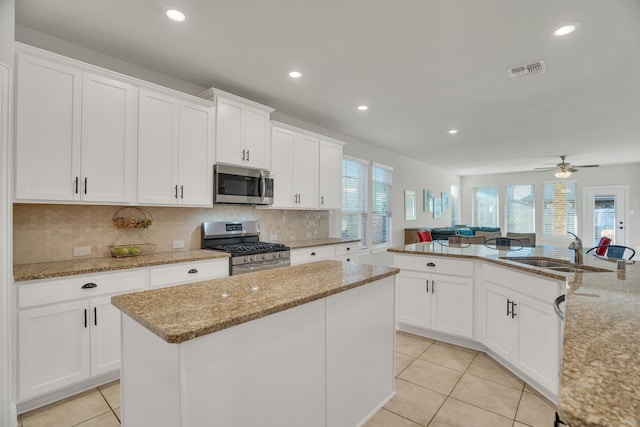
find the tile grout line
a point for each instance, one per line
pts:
(111, 408)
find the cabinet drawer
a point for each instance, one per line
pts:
(440, 265)
(316, 253)
(529, 284)
(351, 248)
(187, 272)
(48, 291)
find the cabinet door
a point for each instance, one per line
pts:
(157, 148)
(282, 142)
(499, 328)
(256, 138)
(452, 305)
(229, 132)
(414, 298)
(53, 347)
(105, 336)
(195, 159)
(305, 168)
(48, 129)
(538, 352)
(330, 176)
(108, 139)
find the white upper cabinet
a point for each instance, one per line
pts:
(242, 130)
(295, 169)
(175, 164)
(330, 175)
(75, 133)
(108, 139)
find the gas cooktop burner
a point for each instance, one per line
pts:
(236, 249)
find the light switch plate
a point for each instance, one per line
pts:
(274, 237)
(82, 251)
(178, 244)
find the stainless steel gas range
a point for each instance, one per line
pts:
(241, 239)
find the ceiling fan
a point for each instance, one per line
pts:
(564, 169)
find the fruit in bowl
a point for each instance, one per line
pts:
(134, 250)
(121, 251)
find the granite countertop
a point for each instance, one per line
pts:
(181, 313)
(299, 244)
(48, 270)
(600, 378)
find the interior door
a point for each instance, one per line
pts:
(605, 214)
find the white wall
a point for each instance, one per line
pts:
(7, 377)
(628, 174)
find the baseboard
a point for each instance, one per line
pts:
(376, 409)
(54, 396)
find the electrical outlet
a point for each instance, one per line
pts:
(274, 237)
(178, 244)
(308, 235)
(82, 251)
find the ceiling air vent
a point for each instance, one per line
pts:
(526, 70)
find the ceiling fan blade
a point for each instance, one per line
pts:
(587, 166)
(571, 169)
(545, 169)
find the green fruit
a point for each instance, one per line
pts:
(134, 250)
(121, 251)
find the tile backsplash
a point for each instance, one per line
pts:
(44, 233)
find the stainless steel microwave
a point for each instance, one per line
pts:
(243, 186)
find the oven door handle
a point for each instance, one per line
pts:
(257, 266)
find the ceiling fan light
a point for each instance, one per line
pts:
(563, 174)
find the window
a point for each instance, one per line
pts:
(381, 204)
(559, 209)
(485, 206)
(354, 199)
(521, 208)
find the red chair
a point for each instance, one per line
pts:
(425, 236)
(602, 246)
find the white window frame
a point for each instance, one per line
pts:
(389, 241)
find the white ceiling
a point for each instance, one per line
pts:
(422, 66)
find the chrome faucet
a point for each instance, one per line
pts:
(576, 245)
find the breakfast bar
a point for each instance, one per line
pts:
(304, 345)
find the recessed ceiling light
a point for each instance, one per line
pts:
(453, 131)
(567, 28)
(363, 107)
(295, 74)
(176, 15)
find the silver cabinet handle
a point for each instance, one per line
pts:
(247, 155)
(85, 184)
(427, 286)
(431, 264)
(182, 191)
(176, 191)
(76, 185)
(89, 286)
(192, 271)
(244, 155)
(433, 286)
(322, 200)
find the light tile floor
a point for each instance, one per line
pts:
(437, 384)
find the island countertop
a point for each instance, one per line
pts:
(600, 378)
(181, 313)
(49, 270)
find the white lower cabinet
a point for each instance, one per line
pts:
(440, 302)
(435, 301)
(519, 323)
(63, 343)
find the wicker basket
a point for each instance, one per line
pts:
(132, 217)
(131, 250)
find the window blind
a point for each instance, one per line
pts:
(485, 206)
(354, 199)
(521, 208)
(559, 208)
(381, 181)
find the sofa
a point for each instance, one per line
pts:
(443, 233)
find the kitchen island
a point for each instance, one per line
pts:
(305, 345)
(600, 365)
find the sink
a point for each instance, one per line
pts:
(556, 265)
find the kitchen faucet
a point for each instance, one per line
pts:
(576, 245)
